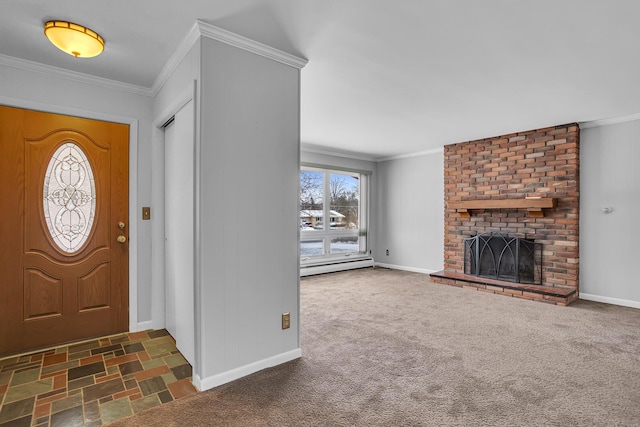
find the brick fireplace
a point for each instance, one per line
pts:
(526, 184)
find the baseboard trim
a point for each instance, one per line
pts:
(610, 300)
(143, 326)
(336, 266)
(234, 374)
(404, 268)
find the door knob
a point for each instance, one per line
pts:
(121, 239)
(121, 225)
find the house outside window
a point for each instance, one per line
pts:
(340, 196)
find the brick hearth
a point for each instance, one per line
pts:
(538, 163)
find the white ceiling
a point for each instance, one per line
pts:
(385, 78)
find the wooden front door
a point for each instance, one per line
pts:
(64, 263)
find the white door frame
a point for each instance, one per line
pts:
(188, 94)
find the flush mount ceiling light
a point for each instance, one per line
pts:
(74, 39)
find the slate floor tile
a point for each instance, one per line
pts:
(18, 409)
(182, 371)
(106, 349)
(84, 346)
(137, 336)
(54, 359)
(160, 346)
(120, 339)
(145, 403)
(133, 348)
(150, 372)
(152, 385)
(90, 359)
(157, 333)
(43, 421)
(79, 355)
(86, 370)
(71, 417)
(115, 410)
(80, 382)
(20, 422)
(59, 367)
(66, 403)
(92, 411)
(130, 367)
(131, 383)
(101, 390)
(27, 376)
(165, 396)
(25, 391)
(9, 361)
(5, 377)
(169, 378)
(94, 382)
(181, 388)
(175, 360)
(153, 363)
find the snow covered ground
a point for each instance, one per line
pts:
(314, 247)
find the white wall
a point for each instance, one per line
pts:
(21, 86)
(249, 165)
(610, 177)
(410, 213)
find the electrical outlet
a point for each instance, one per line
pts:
(387, 252)
(286, 320)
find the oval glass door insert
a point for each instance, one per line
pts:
(69, 200)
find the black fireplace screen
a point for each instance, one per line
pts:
(505, 257)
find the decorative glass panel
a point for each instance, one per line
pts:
(69, 197)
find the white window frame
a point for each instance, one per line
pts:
(327, 234)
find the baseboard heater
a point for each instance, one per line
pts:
(335, 265)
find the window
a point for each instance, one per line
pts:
(332, 212)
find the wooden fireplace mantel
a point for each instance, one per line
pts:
(533, 205)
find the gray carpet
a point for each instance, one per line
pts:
(390, 348)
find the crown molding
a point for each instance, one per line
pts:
(224, 36)
(316, 149)
(609, 121)
(417, 154)
(174, 60)
(26, 65)
(202, 29)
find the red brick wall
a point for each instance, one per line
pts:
(543, 162)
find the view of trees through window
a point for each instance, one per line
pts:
(329, 212)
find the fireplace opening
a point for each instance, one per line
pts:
(502, 256)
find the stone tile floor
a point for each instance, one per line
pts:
(94, 382)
